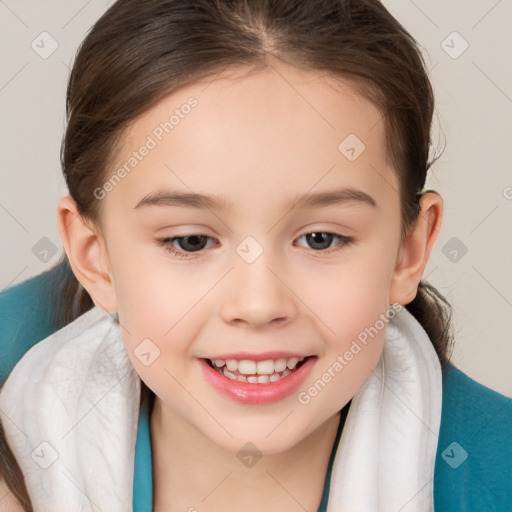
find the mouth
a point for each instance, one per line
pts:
(257, 372)
(257, 379)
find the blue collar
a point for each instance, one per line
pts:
(143, 472)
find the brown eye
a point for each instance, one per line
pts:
(187, 245)
(321, 240)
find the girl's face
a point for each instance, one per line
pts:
(251, 277)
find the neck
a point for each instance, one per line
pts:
(190, 470)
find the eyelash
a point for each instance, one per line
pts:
(167, 242)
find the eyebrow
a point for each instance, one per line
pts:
(300, 201)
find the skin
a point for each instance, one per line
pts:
(256, 139)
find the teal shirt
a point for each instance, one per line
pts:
(143, 472)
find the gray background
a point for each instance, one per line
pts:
(471, 263)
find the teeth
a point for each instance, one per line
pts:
(230, 375)
(256, 372)
(264, 367)
(249, 367)
(245, 366)
(280, 365)
(232, 365)
(292, 363)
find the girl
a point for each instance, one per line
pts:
(245, 325)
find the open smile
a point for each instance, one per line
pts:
(253, 381)
(256, 372)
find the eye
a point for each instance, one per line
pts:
(194, 243)
(190, 244)
(322, 240)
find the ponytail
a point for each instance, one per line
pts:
(434, 313)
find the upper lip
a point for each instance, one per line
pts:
(259, 357)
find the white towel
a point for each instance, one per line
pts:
(70, 413)
(386, 455)
(70, 409)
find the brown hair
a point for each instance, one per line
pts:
(139, 52)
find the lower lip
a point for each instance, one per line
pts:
(248, 393)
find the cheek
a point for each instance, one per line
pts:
(152, 292)
(353, 347)
(158, 336)
(155, 312)
(351, 305)
(351, 296)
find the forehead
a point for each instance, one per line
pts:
(252, 132)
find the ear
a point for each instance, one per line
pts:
(87, 254)
(415, 250)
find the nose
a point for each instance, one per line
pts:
(258, 294)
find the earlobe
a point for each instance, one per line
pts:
(87, 255)
(415, 251)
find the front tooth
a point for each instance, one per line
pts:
(232, 364)
(247, 367)
(262, 379)
(292, 362)
(265, 367)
